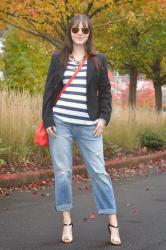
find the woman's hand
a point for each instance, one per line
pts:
(51, 131)
(100, 126)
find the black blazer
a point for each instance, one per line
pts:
(99, 96)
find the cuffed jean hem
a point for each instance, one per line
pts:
(63, 208)
(107, 211)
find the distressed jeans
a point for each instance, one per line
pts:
(91, 149)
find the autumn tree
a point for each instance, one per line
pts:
(25, 62)
(129, 26)
(155, 59)
(47, 19)
(43, 20)
(121, 28)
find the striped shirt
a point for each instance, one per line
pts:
(72, 105)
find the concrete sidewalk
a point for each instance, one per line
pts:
(30, 176)
(29, 222)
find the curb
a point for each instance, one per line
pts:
(31, 176)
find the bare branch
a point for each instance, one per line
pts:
(113, 22)
(98, 10)
(33, 22)
(44, 36)
(147, 70)
(163, 79)
(87, 9)
(27, 19)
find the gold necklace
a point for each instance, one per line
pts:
(71, 57)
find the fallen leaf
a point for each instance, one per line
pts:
(135, 211)
(86, 188)
(92, 216)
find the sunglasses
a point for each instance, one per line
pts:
(76, 30)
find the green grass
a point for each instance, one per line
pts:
(126, 127)
(20, 114)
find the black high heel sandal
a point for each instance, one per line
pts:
(113, 241)
(66, 237)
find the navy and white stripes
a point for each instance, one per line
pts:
(72, 104)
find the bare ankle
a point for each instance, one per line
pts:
(66, 217)
(112, 218)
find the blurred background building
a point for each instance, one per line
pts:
(145, 91)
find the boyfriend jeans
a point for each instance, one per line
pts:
(91, 149)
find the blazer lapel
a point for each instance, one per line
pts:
(90, 69)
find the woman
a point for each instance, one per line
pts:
(81, 113)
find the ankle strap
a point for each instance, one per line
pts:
(112, 226)
(68, 224)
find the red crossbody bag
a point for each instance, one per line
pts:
(41, 135)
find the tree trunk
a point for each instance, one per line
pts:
(156, 69)
(132, 87)
(158, 95)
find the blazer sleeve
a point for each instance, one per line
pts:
(47, 115)
(104, 95)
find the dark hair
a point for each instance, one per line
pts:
(68, 43)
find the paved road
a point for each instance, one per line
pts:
(29, 221)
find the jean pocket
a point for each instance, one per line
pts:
(94, 125)
(57, 120)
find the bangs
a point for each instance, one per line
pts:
(80, 19)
